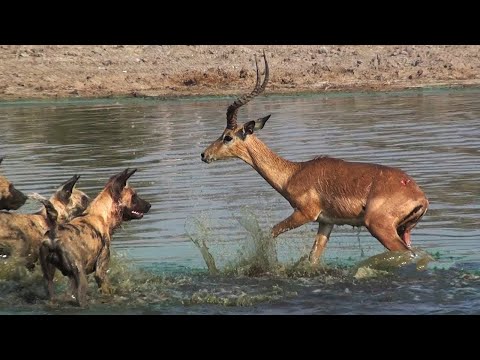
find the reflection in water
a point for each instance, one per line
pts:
(434, 136)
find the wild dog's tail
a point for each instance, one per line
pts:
(51, 218)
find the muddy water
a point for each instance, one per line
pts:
(228, 208)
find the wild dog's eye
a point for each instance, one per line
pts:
(227, 138)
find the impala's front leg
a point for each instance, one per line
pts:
(320, 243)
(293, 221)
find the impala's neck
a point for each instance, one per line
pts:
(276, 170)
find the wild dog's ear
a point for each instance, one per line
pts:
(124, 176)
(258, 124)
(52, 214)
(65, 191)
(129, 174)
(84, 201)
(119, 181)
(70, 183)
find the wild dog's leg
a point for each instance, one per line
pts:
(293, 221)
(19, 246)
(71, 293)
(101, 268)
(30, 261)
(323, 234)
(31, 256)
(81, 284)
(48, 270)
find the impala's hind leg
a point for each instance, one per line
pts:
(320, 243)
(383, 228)
(393, 230)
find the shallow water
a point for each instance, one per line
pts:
(433, 135)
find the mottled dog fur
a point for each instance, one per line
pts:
(10, 198)
(82, 246)
(22, 234)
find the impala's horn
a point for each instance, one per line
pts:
(232, 110)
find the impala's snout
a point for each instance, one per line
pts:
(210, 153)
(205, 158)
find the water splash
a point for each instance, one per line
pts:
(257, 254)
(133, 289)
(22, 288)
(202, 233)
(288, 287)
(252, 276)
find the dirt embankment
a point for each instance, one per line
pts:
(116, 70)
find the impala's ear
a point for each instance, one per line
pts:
(249, 127)
(260, 123)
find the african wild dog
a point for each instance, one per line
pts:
(21, 234)
(82, 246)
(10, 198)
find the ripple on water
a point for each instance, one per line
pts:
(433, 135)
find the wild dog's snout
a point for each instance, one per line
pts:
(13, 199)
(134, 206)
(144, 205)
(18, 197)
(10, 197)
(147, 206)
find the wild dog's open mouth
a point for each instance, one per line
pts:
(132, 214)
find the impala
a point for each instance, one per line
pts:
(326, 190)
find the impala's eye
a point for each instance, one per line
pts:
(227, 138)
